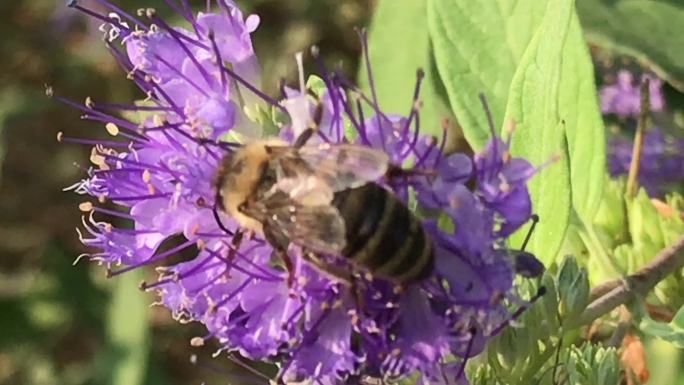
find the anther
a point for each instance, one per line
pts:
(420, 73)
(510, 126)
(112, 129)
(89, 102)
(197, 342)
(85, 207)
(49, 92)
(201, 244)
(60, 135)
(71, 3)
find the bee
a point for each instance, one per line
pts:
(326, 199)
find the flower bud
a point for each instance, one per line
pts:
(644, 226)
(573, 288)
(611, 214)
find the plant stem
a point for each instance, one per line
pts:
(667, 261)
(633, 176)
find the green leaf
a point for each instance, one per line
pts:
(400, 26)
(648, 30)
(477, 46)
(579, 108)
(672, 332)
(534, 105)
(128, 331)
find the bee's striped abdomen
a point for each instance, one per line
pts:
(383, 235)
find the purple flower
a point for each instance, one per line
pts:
(661, 163)
(152, 182)
(623, 98)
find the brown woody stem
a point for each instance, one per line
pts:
(633, 176)
(619, 292)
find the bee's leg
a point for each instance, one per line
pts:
(280, 244)
(303, 137)
(356, 291)
(289, 265)
(312, 129)
(235, 244)
(394, 172)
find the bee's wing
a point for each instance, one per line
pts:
(345, 166)
(317, 228)
(312, 174)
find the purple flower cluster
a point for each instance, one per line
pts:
(662, 161)
(153, 181)
(623, 97)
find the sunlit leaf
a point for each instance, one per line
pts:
(649, 30)
(579, 108)
(128, 331)
(399, 46)
(534, 105)
(478, 46)
(672, 332)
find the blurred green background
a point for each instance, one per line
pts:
(64, 324)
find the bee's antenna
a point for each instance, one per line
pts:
(219, 222)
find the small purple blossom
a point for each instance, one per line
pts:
(661, 165)
(623, 98)
(152, 182)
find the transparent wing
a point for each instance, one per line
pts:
(345, 166)
(312, 174)
(316, 228)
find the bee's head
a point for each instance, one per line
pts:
(241, 172)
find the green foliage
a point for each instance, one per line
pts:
(665, 362)
(649, 30)
(578, 107)
(526, 353)
(128, 332)
(477, 48)
(398, 26)
(631, 231)
(672, 332)
(533, 105)
(612, 215)
(573, 288)
(592, 365)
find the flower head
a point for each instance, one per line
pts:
(661, 162)
(623, 97)
(153, 182)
